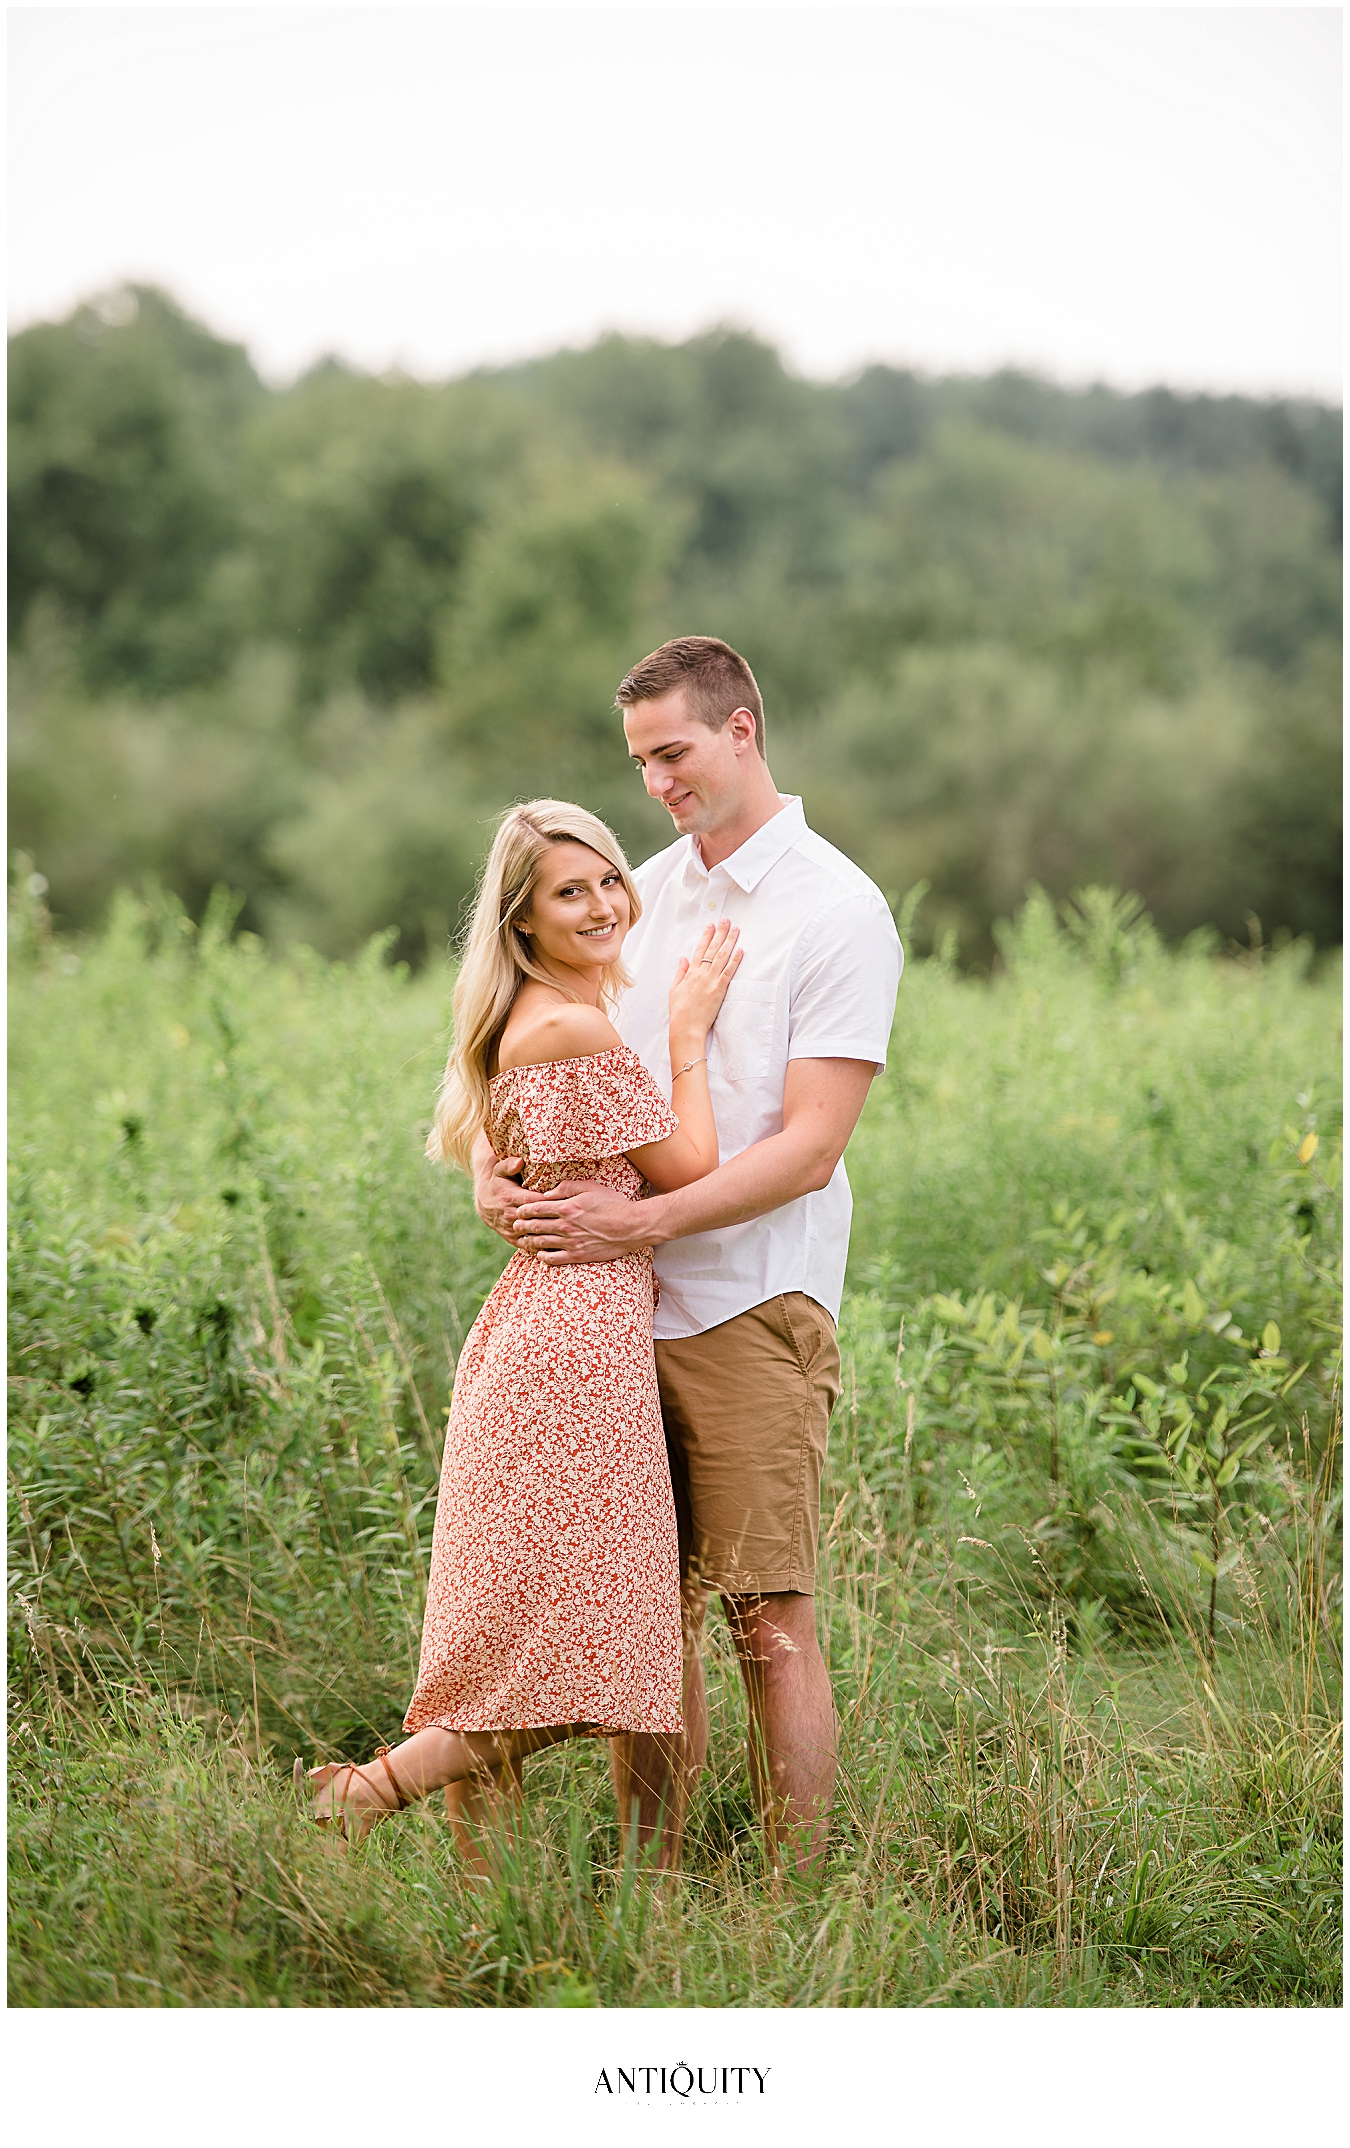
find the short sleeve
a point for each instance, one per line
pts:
(582, 1110)
(845, 977)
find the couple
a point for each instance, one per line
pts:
(600, 1480)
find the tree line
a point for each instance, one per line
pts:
(307, 640)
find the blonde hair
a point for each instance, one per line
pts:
(496, 959)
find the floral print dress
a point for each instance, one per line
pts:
(554, 1587)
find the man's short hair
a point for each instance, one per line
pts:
(714, 679)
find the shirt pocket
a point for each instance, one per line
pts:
(742, 1036)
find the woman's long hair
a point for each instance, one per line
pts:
(496, 959)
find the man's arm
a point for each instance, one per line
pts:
(822, 1100)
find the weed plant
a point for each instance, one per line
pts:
(1079, 1586)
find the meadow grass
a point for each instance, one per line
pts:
(1079, 1590)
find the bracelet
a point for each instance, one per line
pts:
(687, 1069)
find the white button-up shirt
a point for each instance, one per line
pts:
(818, 981)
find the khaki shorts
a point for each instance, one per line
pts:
(747, 1410)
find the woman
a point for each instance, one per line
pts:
(553, 1608)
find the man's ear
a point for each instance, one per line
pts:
(742, 723)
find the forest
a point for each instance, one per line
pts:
(305, 641)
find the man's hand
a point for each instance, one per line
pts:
(499, 1202)
(580, 1221)
(496, 1196)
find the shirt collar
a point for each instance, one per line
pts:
(748, 865)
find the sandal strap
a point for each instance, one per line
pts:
(402, 1803)
(338, 1818)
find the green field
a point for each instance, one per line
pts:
(1081, 1525)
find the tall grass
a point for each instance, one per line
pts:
(1078, 1589)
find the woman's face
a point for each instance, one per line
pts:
(579, 913)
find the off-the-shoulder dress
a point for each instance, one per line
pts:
(554, 1587)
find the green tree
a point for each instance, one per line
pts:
(360, 498)
(399, 803)
(123, 421)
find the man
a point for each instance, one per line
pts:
(750, 1260)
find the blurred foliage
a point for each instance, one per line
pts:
(309, 640)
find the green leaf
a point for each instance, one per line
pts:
(1229, 1471)
(1270, 1337)
(1205, 1565)
(1192, 1304)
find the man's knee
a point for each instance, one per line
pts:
(773, 1632)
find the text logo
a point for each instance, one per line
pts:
(681, 2080)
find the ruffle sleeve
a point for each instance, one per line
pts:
(582, 1110)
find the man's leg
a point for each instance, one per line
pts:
(483, 1811)
(654, 1773)
(747, 1407)
(793, 1731)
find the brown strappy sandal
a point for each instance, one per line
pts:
(338, 1818)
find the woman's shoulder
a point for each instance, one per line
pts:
(582, 1105)
(558, 1033)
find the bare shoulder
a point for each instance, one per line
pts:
(554, 1031)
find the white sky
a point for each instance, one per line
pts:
(1131, 194)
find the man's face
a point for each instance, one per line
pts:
(697, 774)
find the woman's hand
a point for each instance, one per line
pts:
(497, 1192)
(698, 991)
(701, 985)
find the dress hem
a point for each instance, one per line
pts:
(594, 1730)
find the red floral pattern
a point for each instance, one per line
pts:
(554, 1589)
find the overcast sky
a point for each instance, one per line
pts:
(1134, 195)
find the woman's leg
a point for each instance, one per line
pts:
(429, 1760)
